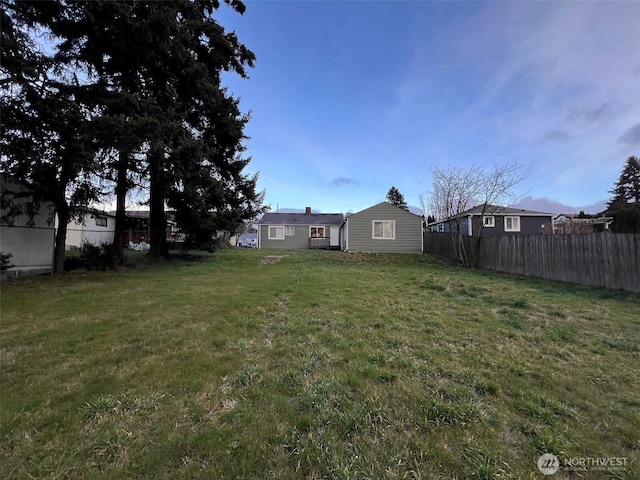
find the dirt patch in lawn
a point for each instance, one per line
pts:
(270, 259)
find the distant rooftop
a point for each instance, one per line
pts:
(498, 210)
(271, 218)
(491, 210)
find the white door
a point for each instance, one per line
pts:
(334, 234)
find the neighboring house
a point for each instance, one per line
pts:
(295, 231)
(28, 239)
(95, 228)
(575, 223)
(496, 220)
(247, 240)
(382, 228)
(138, 227)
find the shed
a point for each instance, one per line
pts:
(382, 228)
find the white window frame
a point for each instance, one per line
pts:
(323, 227)
(275, 235)
(289, 231)
(489, 221)
(512, 229)
(440, 227)
(101, 221)
(373, 229)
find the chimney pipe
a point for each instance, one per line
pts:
(307, 211)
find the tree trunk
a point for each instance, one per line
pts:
(157, 191)
(121, 198)
(476, 251)
(462, 250)
(61, 239)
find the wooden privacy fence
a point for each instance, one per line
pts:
(610, 260)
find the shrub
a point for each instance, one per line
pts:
(5, 261)
(94, 258)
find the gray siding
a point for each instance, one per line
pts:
(452, 227)
(298, 241)
(408, 230)
(529, 225)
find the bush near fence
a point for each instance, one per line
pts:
(610, 260)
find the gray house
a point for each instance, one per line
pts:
(296, 231)
(496, 221)
(382, 228)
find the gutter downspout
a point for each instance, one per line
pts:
(346, 230)
(471, 225)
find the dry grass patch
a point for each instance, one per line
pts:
(271, 259)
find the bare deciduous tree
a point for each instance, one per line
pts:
(456, 190)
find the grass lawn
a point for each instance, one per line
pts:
(322, 365)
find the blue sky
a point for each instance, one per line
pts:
(350, 98)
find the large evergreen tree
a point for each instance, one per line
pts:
(394, 197)
(625, 204)
(46, 131)
(173, 79)
(627, 189)
(151, 91)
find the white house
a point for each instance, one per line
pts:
(96, 228)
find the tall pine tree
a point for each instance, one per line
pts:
(625, 204)
(394, 197)
(627, 189)
(46, 131)
(149, 91)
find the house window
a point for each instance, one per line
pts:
(384, 230)
(290, 231)
(489, 221)
(101, 221)
(276, 232)
(316, 232)
(511, 224)
(441, 227)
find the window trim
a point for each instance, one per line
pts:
(104, 222)
(512, 229)
(440, 228)
(275, 227)
(492, 222)
(324, 230)
(373, 229)
(287, 228)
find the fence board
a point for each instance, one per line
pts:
(610, 260)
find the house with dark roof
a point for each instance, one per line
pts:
(138, 227)
(295, 231)
(495, 220)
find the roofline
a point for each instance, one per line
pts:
(380, 203)
(313, 215)
(524, 213)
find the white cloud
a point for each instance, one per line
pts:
(549, 84)
(554, 206)
(631, 137)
